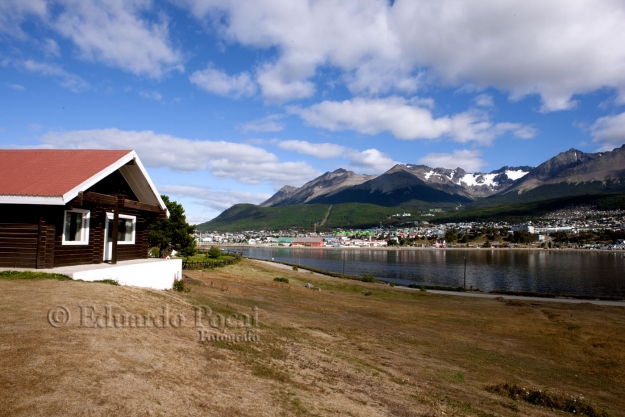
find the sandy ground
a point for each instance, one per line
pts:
(251, 346)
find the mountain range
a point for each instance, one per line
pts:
(405, 183)
(570, 173)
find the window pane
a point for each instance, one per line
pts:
(73, 227)
(124, 230)
(128, 236)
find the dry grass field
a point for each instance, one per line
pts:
(285, 350)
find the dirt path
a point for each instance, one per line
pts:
(325, 219)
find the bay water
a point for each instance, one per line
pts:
(600, 273)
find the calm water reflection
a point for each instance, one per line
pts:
(571, 272)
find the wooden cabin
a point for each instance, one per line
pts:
(74, 207)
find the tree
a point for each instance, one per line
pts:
(173, 233)
(450, 235)
(214, 252)
(523, 237)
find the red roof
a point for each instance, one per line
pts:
(51, 172)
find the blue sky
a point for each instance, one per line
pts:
(227, 101)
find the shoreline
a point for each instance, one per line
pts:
(508, 295)
(409, 248)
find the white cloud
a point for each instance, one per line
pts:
(51, 48)
(555, 49)
(266, 124)
(475, 126)
(518, 46)
(244, 163)
(373, 116)
(218, 82)
(152, 95)
(484, 100)
(318, 150)
(351, 35)
(14, 12)
(469, 160)
(426, 102)
(609, 132)
(70, 81)
(405, 121)
(279, 85)
(261, 142)
(118, 34)
(370, 161)
(16, 87)
(523, 131)
(218, 200)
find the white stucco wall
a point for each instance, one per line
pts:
(150, 273)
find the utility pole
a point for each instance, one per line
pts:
(465, 273)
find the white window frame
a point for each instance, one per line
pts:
(111, 216)
(86, 215)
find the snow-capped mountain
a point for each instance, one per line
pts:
(399, 184)
(405, 182)
(476, 185)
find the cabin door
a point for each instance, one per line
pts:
(108, 240)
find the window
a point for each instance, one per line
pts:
(125, 229)
(76, 227)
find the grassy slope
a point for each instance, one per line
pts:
(563, 191)
(243, 217)
(329, 352)
(512, 208)
(521, 211)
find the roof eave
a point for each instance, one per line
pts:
(32, 199)
(73, 193)
(131, 155)
(161, 203)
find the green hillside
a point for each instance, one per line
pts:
(551, 192)
(523, 211)
(512, 207)
(243, 217)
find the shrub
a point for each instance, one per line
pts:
(422, 288)
(548, 399)
(214, 252)
(179, 285)
(295, 268)
(281, 279)
(392, 284)
(368, 278)
(108, 281)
